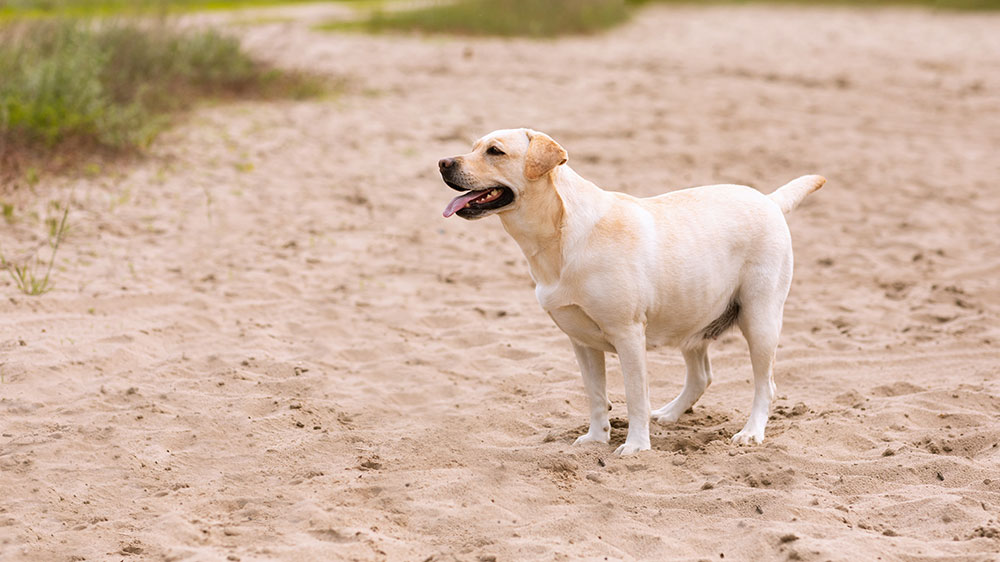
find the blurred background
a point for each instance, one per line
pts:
(98, 75)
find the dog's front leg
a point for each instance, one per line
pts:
(595, 382)
(630, 344)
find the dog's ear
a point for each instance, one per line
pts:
(544, 154)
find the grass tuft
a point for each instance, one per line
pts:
(27, 275)
(532, 18)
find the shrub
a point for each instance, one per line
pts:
(109, 85)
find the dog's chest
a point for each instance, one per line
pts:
(550, 297)
(571, 318)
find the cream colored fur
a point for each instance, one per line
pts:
(622, 274)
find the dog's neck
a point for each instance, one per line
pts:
(538, 224)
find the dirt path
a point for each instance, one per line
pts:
(265, 343)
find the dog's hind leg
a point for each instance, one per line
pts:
(595, 382)
(760, 322)
(699, 376)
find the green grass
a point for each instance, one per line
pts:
(86, 8)
(533, 18)
(69, 85)
(549, 18)
(941, 4)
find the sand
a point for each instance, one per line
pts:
(265, 343)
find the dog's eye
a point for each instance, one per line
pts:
(495, 151)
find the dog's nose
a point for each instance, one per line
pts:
(446, 163)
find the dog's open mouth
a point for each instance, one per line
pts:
(477, 202)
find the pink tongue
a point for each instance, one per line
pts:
(460, 201)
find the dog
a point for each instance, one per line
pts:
(622, 274)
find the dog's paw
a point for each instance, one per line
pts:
(593, 438)
(749, 437)
(669, 413)
(666, 417)
(626, 448)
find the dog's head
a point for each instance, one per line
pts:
(502, 167)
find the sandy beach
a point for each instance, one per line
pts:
(265, 343)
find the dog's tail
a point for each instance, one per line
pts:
(792, 193)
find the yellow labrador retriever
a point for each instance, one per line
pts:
(621, 274)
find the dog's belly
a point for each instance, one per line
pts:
(580, 327)
(670, 332)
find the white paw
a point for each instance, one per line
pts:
(749, 437)
(669, 413)
(592, 438)
(627, 448)
(668, 417)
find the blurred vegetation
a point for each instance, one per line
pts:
(69, 85)
(534, 18)
(546, 18)
(943, 4)
(84, 8)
